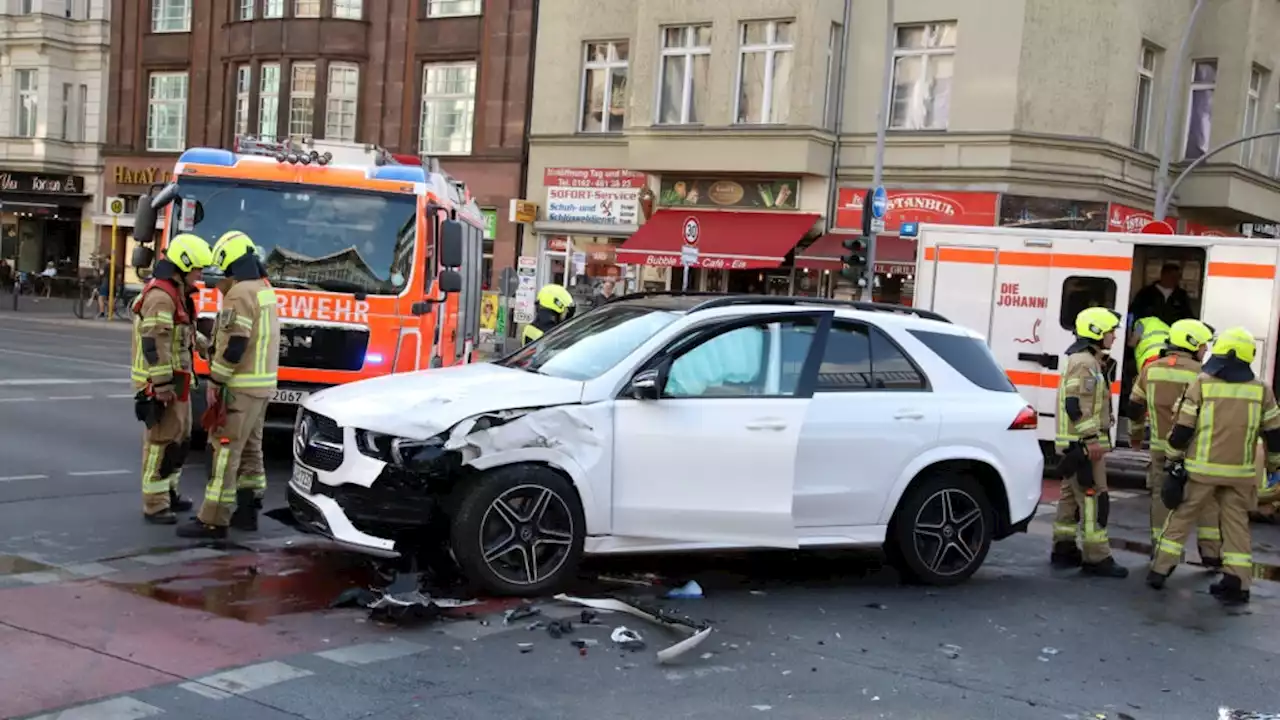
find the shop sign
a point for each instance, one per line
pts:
(141, 176)
(1265, 230)
(1125, 219)
(1052, 213)
(1194, 228)
(593, 178)
(523, 211)
(490, 223)
(756, 194)
(25, 182)
(602, 206)
(895, 268)
(919, 206)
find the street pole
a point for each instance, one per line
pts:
(882, 128)
(1163, 191)
(111, 277)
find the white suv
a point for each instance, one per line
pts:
(682, 422)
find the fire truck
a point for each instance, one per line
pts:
(376, 258)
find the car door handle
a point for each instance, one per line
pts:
(767, 424)
(908, 415)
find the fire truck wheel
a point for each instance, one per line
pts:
(518, 530)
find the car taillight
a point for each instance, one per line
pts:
(1026, 419)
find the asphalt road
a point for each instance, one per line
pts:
(117, 619)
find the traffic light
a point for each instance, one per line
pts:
(855, 258)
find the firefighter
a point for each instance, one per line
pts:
(242, 378)
(163, 332)
(1155, 395)
(1083, 434)
(1212, 449)
(1150, 335)
(555, 305)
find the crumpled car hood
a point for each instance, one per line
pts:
(423, 404)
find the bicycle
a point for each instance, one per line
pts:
(87, 302)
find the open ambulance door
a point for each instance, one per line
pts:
(1082, 273)
(1240, 291)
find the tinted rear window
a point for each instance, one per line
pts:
(970, 357)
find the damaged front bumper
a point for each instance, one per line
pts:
(321, 515)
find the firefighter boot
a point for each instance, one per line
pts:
(177, 503)
(245, 516)
(1105, 568)
(1155, 580)
(1065, 554)
(161, 517)
(1229, 591)
(196, 530)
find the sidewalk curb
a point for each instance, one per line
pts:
(67, 322)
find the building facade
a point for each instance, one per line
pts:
(740, 122)
(446, 78)
(53, 55)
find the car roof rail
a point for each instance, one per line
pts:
(727, 300)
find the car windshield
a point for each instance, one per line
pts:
(309, 237)
(589, 345)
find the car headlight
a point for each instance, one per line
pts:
(401, 452)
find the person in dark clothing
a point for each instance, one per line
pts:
(1164, 298)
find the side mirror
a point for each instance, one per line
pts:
(450, 281)
(142, 257)
(648, 384)
(451, 244)
(144, 222)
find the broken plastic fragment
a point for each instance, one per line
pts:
(696, 634)
(626, 638)
(689, 590)
(519, 613)
(1049, 650)
(951, 651)
(583, 643)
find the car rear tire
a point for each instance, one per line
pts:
(518, 530)
(942, 530)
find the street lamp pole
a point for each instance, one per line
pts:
(882, 127)
(1173, 186)
(1163, 191)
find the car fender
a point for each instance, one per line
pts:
(929, 457)
(560, 461)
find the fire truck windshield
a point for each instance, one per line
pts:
(309, 237)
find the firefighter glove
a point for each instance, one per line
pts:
(1174, 488)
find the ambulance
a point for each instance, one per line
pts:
(1022, 288)
(375, 258)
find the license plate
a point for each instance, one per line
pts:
(289, 397)
(302, 479)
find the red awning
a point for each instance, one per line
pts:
(893, 254)
(726, 240)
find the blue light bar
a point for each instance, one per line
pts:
(209, 156)
(909, 229)
(373, 358)
(403, 173)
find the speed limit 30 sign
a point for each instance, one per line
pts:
(692, 229)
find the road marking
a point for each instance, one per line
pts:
(65, 358)
(61, 381)
(211, 693)
(5, 400)
(372, 652)
(249, 678)
(71, 397)
(121, 708)
(179, 556)
(124, 395)
(15, 478)
(114, 341)
(95, 473)
(38, 578)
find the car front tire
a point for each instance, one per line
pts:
(942, 530)
(518, 530)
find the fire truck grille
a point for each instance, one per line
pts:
(323, 348)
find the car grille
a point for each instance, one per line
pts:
(320, 446)
(395, 506)
(323, 348)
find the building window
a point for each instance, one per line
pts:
(269, 101)
(348, 9)
(682, 83)
(69, 9)
(167, 112)
(831, 89)
(66, 111)
(82, 128)
(924, 60)
(1204, 76)
(764, 72)
(341, 101)
(273, 9)
(170, 16)
(302, 100)
(449, 8)
(246, 10)
(448, 108)
(1252, 107)
(604, 87)
(244, 82)
(28, 102)
(306, 8)
(27, 7)
(1142, 105)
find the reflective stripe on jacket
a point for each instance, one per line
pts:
(1227, 420)
(1159, 387)
(1084, 380)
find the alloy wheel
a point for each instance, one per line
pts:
(526, 534)
(949, 532)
